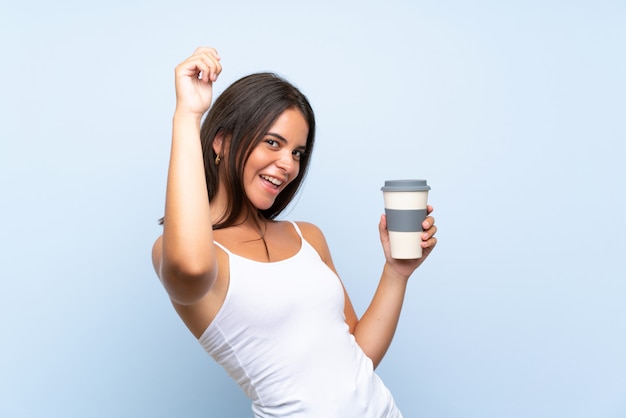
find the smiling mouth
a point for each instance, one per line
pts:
(273, 181)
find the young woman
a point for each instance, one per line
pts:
(262, 296)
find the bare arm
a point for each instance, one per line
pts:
(184, 256)
(376, 328)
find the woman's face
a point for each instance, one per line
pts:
(275, 161)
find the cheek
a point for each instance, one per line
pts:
(300, 166)
(297, 167)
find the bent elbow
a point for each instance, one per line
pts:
(188, 284)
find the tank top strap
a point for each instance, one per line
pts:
(223, 248)
(295, 226)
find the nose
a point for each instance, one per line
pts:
(287, 163)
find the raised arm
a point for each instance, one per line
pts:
(184, 256)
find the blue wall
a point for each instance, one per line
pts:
(513, 111)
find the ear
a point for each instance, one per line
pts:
(218, 144)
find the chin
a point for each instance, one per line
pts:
(263, 205)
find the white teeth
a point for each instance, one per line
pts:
(273, 180)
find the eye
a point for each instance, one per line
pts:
(297, 154)
(271, 142)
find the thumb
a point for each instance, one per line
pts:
(382, 228)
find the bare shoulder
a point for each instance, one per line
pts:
(311, 231)
(314, 235)
(157, 251)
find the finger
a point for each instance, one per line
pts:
(429, 233)
(429, 243)
(429, 209)
(211, 59)
(214, 68)
(204, 63)
(192, 66)
(382, 224)
(202, 66)
(205, 50)
(428, 222)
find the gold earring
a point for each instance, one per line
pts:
(217, 159)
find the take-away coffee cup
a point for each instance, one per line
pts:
(405, 208)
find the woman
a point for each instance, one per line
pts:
(262, 296)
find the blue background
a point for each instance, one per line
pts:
(513, 111)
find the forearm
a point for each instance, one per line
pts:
(188, 249)
(375, 330)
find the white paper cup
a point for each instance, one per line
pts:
(405, 209)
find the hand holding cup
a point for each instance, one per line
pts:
(405, 211)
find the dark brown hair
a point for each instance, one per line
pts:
(242, 115)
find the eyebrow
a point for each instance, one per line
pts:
(284, 140)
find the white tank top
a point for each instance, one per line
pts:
(281, 335)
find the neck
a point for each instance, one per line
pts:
(249, 219)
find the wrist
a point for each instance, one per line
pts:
(186, 116)
(394, 274)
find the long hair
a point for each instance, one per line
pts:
(242, 115)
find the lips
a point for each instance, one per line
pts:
(275, 182)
